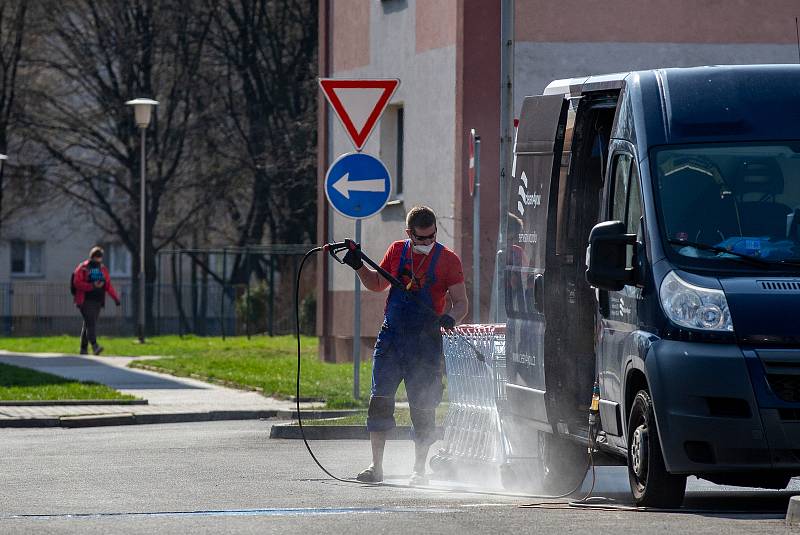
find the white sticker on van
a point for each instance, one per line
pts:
(623, 310)
(534, 199)
(525, 199)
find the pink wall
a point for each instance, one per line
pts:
(350, 33)
(676, 21)
(478, 106)
(435, 24)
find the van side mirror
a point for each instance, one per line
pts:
(606, 257)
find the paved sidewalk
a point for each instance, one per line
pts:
(170, 399)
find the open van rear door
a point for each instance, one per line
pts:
(543, 139)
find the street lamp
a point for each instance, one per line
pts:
(142, 108)
(3, 159)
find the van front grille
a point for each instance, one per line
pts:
(786, 387)
(780, 286)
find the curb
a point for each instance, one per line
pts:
(99, 420)
(134, 419)
(793, 511)
(71, 402)
(340, 432)
(291, 414)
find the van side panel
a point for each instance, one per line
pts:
(540, 140)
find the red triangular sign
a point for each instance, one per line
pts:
(358, 104)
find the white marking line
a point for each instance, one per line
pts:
(488, 505)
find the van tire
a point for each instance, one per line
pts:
(563, 463)
(651, 484)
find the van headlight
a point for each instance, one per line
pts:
(694, 307)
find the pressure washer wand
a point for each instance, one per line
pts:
(336, 247)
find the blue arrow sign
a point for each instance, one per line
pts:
(358, 185)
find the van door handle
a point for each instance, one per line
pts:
(538, 293)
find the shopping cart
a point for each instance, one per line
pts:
(477, 395)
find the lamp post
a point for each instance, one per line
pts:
(143, 108)
(3, 159)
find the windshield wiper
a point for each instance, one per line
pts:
(713, 248)
(790, 261)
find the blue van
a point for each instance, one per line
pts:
(685, 306)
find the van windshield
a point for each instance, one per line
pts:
(742, 198)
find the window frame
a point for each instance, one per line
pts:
(619, 155)
(112, 264)
(392, 148)
(26, 273)
(399, 152)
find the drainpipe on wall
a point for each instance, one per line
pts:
(324, 149)
(506, 151)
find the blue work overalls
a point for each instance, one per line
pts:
(409, 348)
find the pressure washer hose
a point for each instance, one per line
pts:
(590, 457)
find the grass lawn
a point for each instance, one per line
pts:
(18, 384)
(265, 363)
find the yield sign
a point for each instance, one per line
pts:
(358, 104)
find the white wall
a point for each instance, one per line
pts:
(427, 93)
(67, 236)
(537, 64)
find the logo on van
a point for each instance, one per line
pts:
(623, 310)
(527, 199)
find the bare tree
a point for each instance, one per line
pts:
(266, 54)
(13, 30)
(96, 55)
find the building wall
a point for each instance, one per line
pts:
(414, 41)
(66, 239)
(569, 39)
(447, 55)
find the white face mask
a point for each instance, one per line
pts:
(424, 249)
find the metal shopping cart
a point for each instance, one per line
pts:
(476, 388)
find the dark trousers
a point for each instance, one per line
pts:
(90, 310)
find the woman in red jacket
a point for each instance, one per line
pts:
(91, 281)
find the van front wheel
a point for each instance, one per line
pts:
(651, 484)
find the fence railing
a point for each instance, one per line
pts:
(29, 308)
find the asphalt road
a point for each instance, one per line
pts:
(229, 477)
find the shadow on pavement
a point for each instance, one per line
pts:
(739, 504)
(91, 370)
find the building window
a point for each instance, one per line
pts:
(392, 138)
(399, 178)
(222, 264)
(118, 260)
(26, 258)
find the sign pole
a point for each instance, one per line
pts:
(357, 324)
(476, 236)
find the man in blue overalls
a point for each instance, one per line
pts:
(409, 346)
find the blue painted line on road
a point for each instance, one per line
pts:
(238, 512)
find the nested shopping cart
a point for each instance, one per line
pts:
(475, 362)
